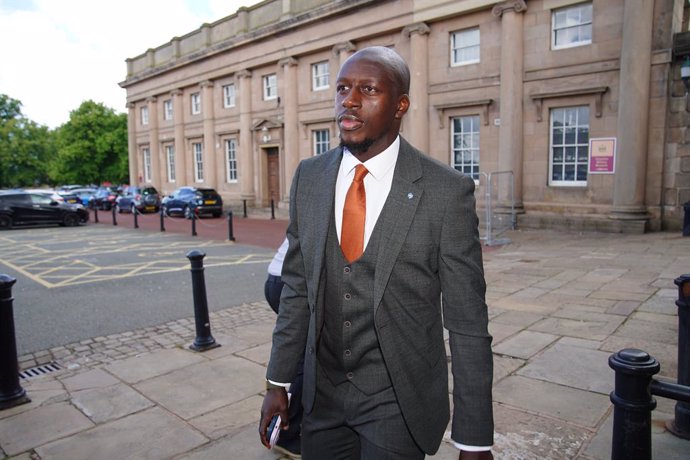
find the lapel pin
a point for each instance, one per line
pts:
(410, 196)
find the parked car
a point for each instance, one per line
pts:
(143, 199)
(85, 195)
(187, 200)
(104, 199)
(18, 207)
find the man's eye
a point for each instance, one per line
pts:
(369, 89)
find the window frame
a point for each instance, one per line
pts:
(455, 47)
(566, 10)
(198, 160)
(168, 112)
(146, 158)
(563, 182)
(231, 176)
(229, 99)
(317, 79)
(170, 163)
(144, 114)
(270, 86)
(318, 144)
(195, 102)
(475, 122)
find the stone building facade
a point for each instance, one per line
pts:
(568, 113)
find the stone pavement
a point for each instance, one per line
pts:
(560, 304)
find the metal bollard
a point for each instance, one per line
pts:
(161, 217)
(231, 234)
(273, 210)
(11, 392)
(680, 426)
(633, 404)
(136, 221)
(686, 218)
(244, 208)
(114, 218)
(193, 223)
(95, 214)
(204, 340)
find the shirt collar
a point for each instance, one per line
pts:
(379, 165)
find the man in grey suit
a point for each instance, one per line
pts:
(371, 328)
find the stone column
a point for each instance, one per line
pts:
(180, 155)
(132, 143)
(633, 111)
(417, 124)
(245, 170)
(290, 154)
(343, 51)
(153, 143)
(510, 132)
(210, 151)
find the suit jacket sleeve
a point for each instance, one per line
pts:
(466, 317)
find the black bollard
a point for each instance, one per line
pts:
(686, 218)
(633, 404)
(11, 392)
(136, 221)
(114, 213)
(680, 426)
(162, 215)
(231, 234)
(273, 210)
(193, 223)
(204, 340)
(244, 208)
(95, 214)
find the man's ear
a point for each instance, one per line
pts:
(403, 105)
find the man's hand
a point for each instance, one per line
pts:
(483, 455)
(275, 402)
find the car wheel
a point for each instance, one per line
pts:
(187, 212)
(70, 220)
(166, 211)
(5, 222)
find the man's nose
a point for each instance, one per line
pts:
(350, 100)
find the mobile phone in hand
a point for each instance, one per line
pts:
(273, 431)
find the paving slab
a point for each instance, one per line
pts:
(649, 330)
(199, 388)
(149, 365)
(108, 403)
(39, 426)
(151, 434)
(229, 419)
(525, 344)
(587, 329)
(665, 353)
(583, 368)
(569, 404)
(40, 390)
(500, 332)
(259, 354)
(517, 318)
(94, 378)
(243, 444)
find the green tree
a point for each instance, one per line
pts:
(25, 147)
(91, 147)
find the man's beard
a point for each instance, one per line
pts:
(357, 147)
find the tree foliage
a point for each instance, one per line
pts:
(25, 147)
(91, 147)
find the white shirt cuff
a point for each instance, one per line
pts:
(284, 385)
(471, 448)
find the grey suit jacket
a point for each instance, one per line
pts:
(429, 274)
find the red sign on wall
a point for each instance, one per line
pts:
(602, 155)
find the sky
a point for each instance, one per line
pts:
(55, 54)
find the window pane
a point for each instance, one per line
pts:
(583, 135)
(558, 154)
(569, 172)
(582, 153)
(570, 135)
(570, 154)
(558, 136)
(582, 172)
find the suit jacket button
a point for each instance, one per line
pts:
(350, 375)
(311, 350)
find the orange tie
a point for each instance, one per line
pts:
(354, 214)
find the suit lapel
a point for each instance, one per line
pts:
(398, 213)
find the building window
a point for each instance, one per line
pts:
(465, 141)
(144, 115)
(231, 160)
(322, 141)
(147, 164)
(167, 109)
(569, 146)
(319, 76)
(464, 47)
(170, 157)
(571, 26)
(229, 96)
(270, 87)
(196, 104)
(198, 162)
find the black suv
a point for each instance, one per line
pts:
(18, 207)
(187, 200)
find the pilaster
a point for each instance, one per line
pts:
(343, 51)
(246, 164)
(417, 126)
(290, 154)
(132, 153)
(154, 146)
(181, 167)
(207, 113)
